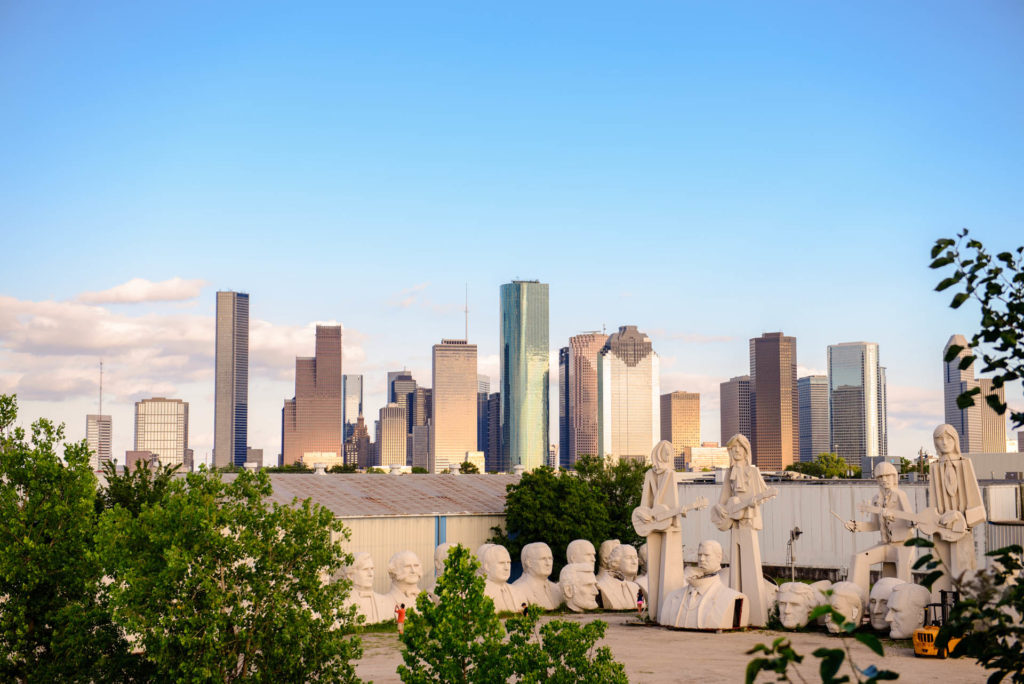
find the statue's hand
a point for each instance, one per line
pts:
(644, 514)
(851, 525)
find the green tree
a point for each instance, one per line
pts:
(620, 484)
(807, 468)
(459, 638)
(468, 468)
(560, 652)
(832, 465)
(997, 284)
(133, 489)
(218, 585)
(345, 468)
(54, 620)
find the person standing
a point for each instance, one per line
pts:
(400, 614)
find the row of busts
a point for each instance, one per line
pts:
(893, 606)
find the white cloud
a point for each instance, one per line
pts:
(138, 290)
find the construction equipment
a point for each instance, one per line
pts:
(935, 615)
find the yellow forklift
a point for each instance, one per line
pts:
(935, 615)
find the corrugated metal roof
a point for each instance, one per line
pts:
(357, 494)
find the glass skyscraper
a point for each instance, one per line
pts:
(352, 402)
(525, 368)
(856, 405)
(231, 388)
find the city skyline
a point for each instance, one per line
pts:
(687, 182)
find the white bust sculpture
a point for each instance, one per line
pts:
(906, 609)
(406, 571)
(706, 602)
(440, 556)
(878, 602)
(603, 553)
(848, 599)
(496, 567)
(618, 593)
(580, 551)
(579, 587)
(372, 606)
(796, 600)
(533, 585)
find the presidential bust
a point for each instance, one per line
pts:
(796, 600)
(372, 606)
(706, 602)
(579, 587)
(878, 601)
(406, 572)
(617, 592)
(848, 599)
(906, 609)
(533, 585)
(496, 567)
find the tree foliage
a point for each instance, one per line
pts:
(620, 484)
(134, 489)
(468, 468)
(560, 651)
(997, 284)
(825, 465)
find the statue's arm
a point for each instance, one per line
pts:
(975, 513)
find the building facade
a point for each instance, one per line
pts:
(581, 391)
(525, 370)
(734, 400)
(775, 406)
(993, 425)
(856, 406)
(680, 420)
(231, 384)
(161, 427)
(955, 381)
(815, 428)
(453, 431)
(492, 457)
(628, 396)
(563, 406)
(98, 435)
(391, 436)
(311, 420)
(352, 402)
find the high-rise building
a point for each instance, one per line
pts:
(231, 388)
(391, 436)
(419, 448)
(389, 394)
(563, 406)
(403, 393)
(993, 425)
(311, 428)
(482, 428)
(815, 427)
(454, 428)
(358, 450)
(628, 391)
(161, 427)
(883, 404)
(855, 401)
(955, 381)
(775, 407)
(581, 394)
(352, 402)
(483, 384)
(525, 368)
(680, 420)
(734, 400)
(98, 435)
(423, 407)
(492, 457)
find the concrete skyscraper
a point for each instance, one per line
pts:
(856, 407)
(775, 406)
(311, 430)
(955, 381)
(680, 420)
(581, 391)
(454, 429)
(98, 435)
(392, 439)
(403, 393)
(161, 427)
(815, 427)
(628, 396)
(734, 400)
(993, 425)
(352, 402)
(525, 370)
(231, 388)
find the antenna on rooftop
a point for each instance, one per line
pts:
(467, 313)
(101, 387)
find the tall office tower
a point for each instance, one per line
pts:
(883, 405)
(680, 420)
(855, 401)
(734, 400)
(352, 402)
(482, 428)
(453, 430)
(993, 425)
(311, 430)
(563, 406)
(391, 436)
(419, 448)
(525, 367)
(403, 393)
(581, 391)
(955, 381)
(231, 389)
(628, 391)
(775, 407)
(815, 427)
(492, 456)
(483, 384)
(98, 434)
(161, 427)
(389, 393)
(357, 447)
(423, 406)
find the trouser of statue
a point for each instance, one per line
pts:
(897, 561)
(664, 568)
(745, 574)
(957, 557)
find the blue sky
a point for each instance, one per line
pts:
(707, 171)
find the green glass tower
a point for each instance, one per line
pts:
(524, 374)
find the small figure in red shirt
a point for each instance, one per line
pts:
(400, 612)
(640, 604)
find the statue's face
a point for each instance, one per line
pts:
(584, 591)
(945, 444)
(887, 483)
(629, 563)
(361, 573)
(409, 569)
(903, 615)
(793, 609)
(582, 551)
(847, 604)
(540, 562)
(499, 565)
(440, 556)
(878, 602)
(737, 453)
(709, 560)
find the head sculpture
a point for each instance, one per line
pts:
(623, 562)
(796, 600)
(496, 563)
(906, 609)
(405, 569)
(663, 456)
(579, 587)
(739, 449)
(709, 557)
(848, 599)
(440, 556)
(537, 560)
(581, 551)
(641, 555)
(604, 551)
(361, 570)
(886, 476)
(947, 442)
(878, 601)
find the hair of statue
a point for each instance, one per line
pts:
(740, 440)
(948, 429)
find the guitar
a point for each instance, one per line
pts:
(735, 505)
(927, 520)
(661, 516)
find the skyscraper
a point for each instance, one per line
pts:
(352, 402)
(231, 388)
(98, 434)
(814, 422)
(581, 393)
(955, 381)
(883, 404)
(563, 406)
(483, 390)
(734, 399)
(454, 429)
(161, 427)
(855, 401)
(993, 425)
(391, 436)
(492, 456)
(680, 420)
(403, 393)
(311, 430)
(628, 391)
(525, 368)
(775, 407)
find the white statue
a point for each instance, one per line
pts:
(796, 601)
(906, 609)
(406, 571)
(878, 602)
(848, 599)
(603, 552)
(641, 577)
(440, 557)
(953, 491)
(706, 602)
(496, 567)
(739, 510)
(579, 587)
(658, 517)
(618, 593)
(893, 517)
(533, 585)
(371, 605)
(581, 551)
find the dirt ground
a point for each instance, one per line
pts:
(653, 655)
